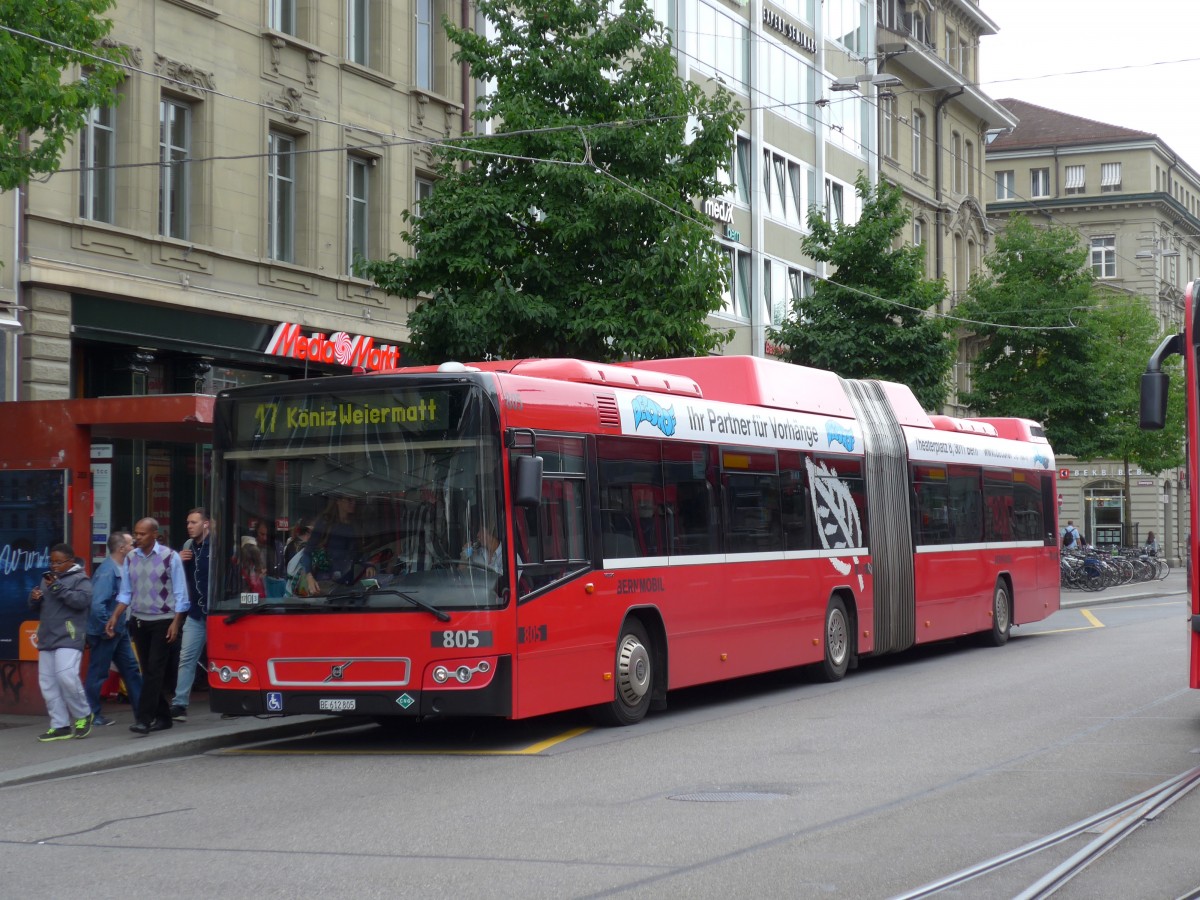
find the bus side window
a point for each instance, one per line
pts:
(795, 501)
(632, 515)
(692, 517)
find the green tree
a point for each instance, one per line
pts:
(871, 318)
(1038, 321)
(40, 109)
(1126, 333)
(572, 230)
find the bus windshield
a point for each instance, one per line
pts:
(365, 499)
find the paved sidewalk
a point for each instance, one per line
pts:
(26, 759)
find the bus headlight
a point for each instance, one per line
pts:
(462, 674)
(227, 674)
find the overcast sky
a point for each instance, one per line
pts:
(1131, 54)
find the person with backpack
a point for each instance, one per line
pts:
(1070, 536)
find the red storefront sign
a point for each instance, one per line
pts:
(338, 348)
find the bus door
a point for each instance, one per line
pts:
(551, 556)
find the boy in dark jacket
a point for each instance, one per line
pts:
(63, 600)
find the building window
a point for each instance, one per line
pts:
(834, 203)
(797, 204)
(423, 77)
(358, 31)
(737, 294)
(97, 154)
(915, 21)
(174, 151)
(956, 161)
(1006, 185)
(766, 180)
(742, 163)
(281, 197)
(918, 232)
(779, 165)
(358, 209)
(887, 127)
(1076, 180)
(422, 190)
(281, 16)
(969, 167)
(952, 49)
(1104, 256)
(918, 143)
(1110, 177)
(1039, 182)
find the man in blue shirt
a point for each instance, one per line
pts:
(195, 558)
(106, 585)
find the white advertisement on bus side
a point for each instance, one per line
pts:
(976, 449)
(664, 415)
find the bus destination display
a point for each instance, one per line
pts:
(286, 418)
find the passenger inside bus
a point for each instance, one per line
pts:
(336, 547)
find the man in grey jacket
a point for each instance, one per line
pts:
(63, 600)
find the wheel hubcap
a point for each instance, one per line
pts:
(633, 671)
(1001, 611)
(836, 637)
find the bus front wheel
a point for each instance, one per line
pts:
(837, 641)
(634, 677)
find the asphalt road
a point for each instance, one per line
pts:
(912, 768)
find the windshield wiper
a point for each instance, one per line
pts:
(362, 593)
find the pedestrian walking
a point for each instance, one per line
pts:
(155, 593)
(118, 649)
(195, 556)
(62, 600)
(1070, 536)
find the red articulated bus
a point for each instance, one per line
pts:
(518, 538)
(1154, 415)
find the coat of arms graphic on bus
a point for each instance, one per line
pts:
(838, 522)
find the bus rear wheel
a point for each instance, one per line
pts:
(1001, 615)
(633, 678)
(837, 641)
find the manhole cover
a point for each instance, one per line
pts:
(728, 796)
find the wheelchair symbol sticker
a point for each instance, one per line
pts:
(274, 701)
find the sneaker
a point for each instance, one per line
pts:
(179, 713)
(57, 734)
(83, 727)
(102, 720)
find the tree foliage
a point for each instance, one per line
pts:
(870, 319)
(36, 100)
(572, 230)
(1126, 333)
(1041, 355)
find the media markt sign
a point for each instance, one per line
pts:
(338, 348)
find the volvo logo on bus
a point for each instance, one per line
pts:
(337, 672)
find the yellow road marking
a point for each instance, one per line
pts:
(1087, 614)
(531, 750)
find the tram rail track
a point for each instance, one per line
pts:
(1123, 819)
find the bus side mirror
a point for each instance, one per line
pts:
(527, 488)
(1154, 400)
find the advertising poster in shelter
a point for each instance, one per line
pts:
(32, 520)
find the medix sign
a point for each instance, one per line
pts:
(339, 348)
